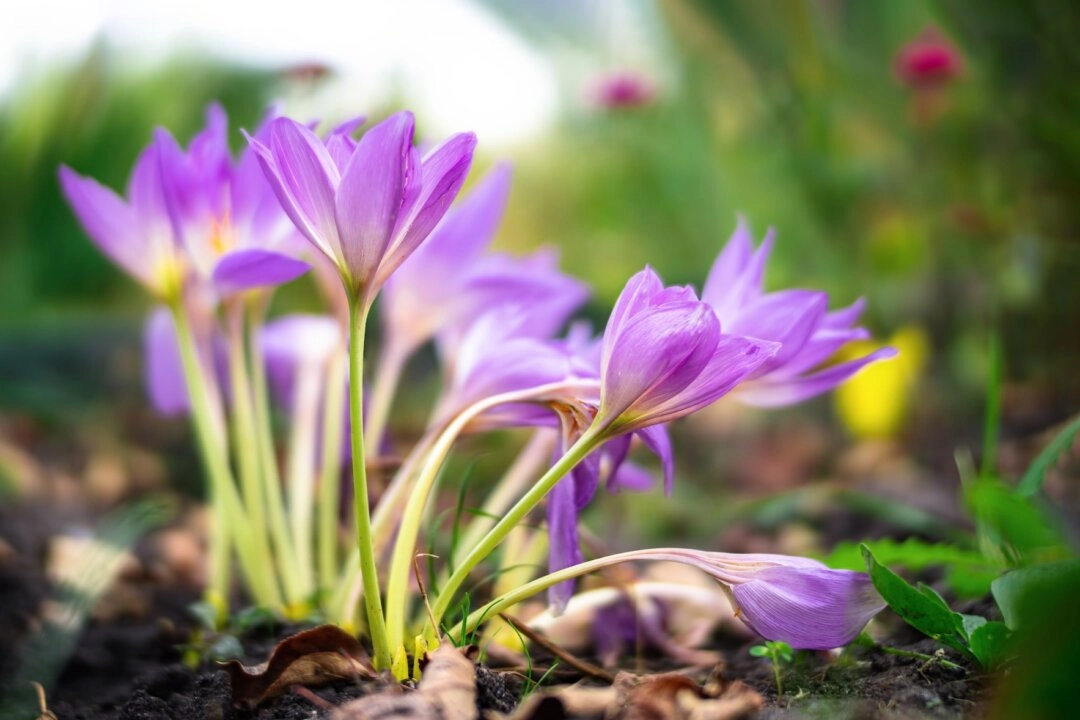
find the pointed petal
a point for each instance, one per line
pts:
(369, 196)
(766, 393)
(788, 317)
(631, 477)
(109, 222)
(254, 268)
(730, 264)
(564, 549)
(444, 170)
(636, 294)
(735, 359)
(304, 178)
(163, 371)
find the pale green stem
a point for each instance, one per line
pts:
(405, 547)
(499, 604)
(245, 440)
(358, 314)
(392, 359)
(301, 468)
(330, 473)
(288, 567)
(383, 522)
(575, 454)
(227, 512)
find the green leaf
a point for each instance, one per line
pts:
(1009, 522)
(759, 651)
(990, 643)
(921, 608)
(1036, 473)
(911, 554)
(1017, 589)
(971, 623)
(253, 618)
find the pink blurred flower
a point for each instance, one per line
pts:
(928, 60)
(621, 89)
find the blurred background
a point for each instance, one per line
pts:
(923, 155)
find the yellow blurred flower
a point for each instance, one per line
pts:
(875, 402)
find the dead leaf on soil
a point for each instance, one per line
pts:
(447, 691)
(668, 696)
(312, 657)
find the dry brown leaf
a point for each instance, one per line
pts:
(671, 696)
(572, 701)
(447, 691)
(312, 657)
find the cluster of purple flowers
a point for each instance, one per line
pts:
(210, 237)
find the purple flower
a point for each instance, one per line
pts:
(366, 205)
(664, 357)
(795, 600)
(449, 280)
(621, 89)
(227, 217)
(808, 335)
(163, 370)
(137, 234)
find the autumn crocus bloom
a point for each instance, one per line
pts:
(792, 599)
(808, 335)
(226, 216)
(365, 205)
(621, 89)
(664, 357)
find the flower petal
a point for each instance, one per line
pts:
(370, 194)
(806, 607)
(163, 371)
(254, 268)
(109, 222)
(766, 393)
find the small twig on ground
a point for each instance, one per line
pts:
(929, 659)
(585, 668)
(46, 713)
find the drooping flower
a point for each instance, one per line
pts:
(798, 320)
(791, 599)
(137, 233)
(366, 205)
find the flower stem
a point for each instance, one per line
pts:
(391, 364)
(584, 445)
(358, 314)
(227, 512)
(330, 474)
(271, 477)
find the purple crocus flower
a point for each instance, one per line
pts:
(664, 357)
(366, 205)
(226, 215)
(795, 600)
(137, 234)
(808, 335)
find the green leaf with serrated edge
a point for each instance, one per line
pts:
(1010, 589)
(921, 608)
(990, 643)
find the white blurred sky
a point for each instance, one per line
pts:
(460, 68)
